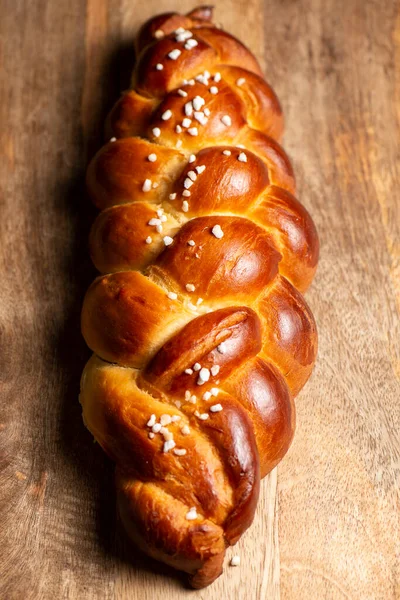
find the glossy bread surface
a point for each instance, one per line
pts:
(200, 333)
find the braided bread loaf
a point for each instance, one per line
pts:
(200, 334)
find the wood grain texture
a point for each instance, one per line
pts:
(339, 485)
(335, 66)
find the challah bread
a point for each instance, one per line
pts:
(200, 334)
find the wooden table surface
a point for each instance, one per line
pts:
(328, 524)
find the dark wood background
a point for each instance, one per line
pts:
(328, 524)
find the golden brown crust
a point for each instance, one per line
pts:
(200, 334)
(116, 174)
(157, 524)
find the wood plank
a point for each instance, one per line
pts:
(258, 576)
(64, 64)
(336, 67)
(54, 530)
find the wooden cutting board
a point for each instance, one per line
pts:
(327, 526)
